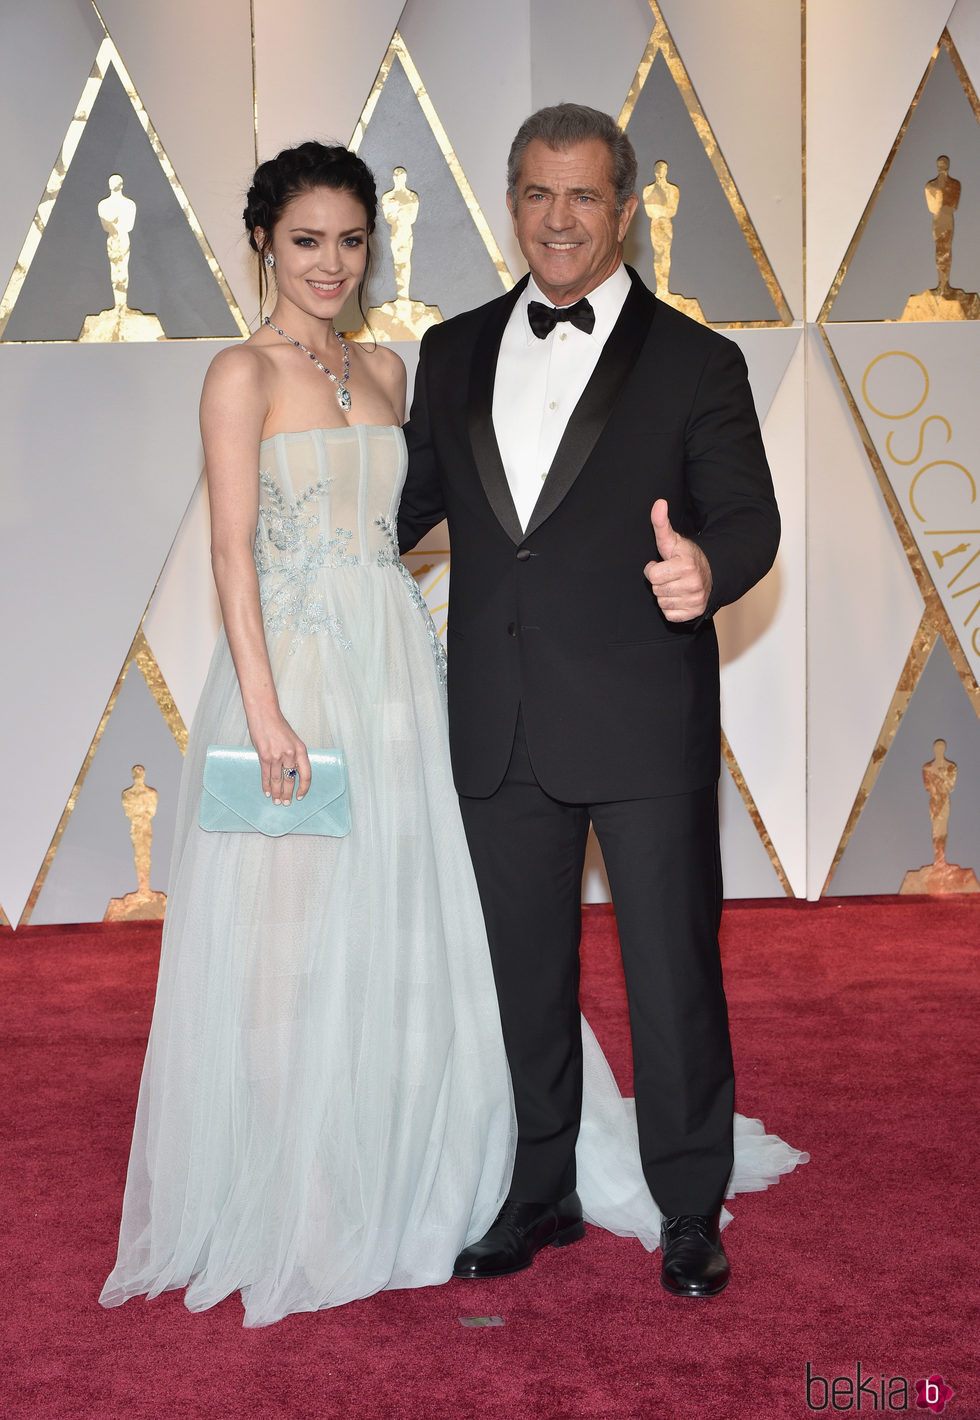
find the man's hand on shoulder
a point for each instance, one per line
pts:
(681, 582)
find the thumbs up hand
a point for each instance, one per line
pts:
(681, 581)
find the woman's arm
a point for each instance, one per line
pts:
(234, 404)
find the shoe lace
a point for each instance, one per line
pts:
(682, 1223)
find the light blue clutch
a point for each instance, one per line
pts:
(232, 800)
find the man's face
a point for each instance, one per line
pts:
(565, 218)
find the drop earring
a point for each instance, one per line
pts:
(270, 260)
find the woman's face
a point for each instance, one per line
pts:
(320, 247)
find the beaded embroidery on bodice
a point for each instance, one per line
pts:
(328, 500)
(321, 493)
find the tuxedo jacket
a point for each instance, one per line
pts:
(559, 620)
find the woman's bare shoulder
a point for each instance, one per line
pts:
(387, 369)
(387, 361)
(240, 375)
(243, 364)
(237, 389)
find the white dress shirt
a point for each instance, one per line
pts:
(539, 382)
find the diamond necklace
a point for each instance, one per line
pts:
(343, 393)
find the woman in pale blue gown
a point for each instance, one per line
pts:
(325, 1108)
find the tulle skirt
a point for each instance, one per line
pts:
(325, 1108)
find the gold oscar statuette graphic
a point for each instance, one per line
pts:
(939, 877)
(402, 318)
(117, 213)
(144, 905)
(660, 202)
(943, 301)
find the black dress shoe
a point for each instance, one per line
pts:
(519, 1231)
(694, 1262)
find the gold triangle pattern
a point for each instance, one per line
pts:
(945, 42)
(107, 56)
(925, 638)
(935, 624)
(752, 808)
(661, 42)
(140, 654)
(398, 51)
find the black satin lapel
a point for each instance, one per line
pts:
(480, 414)
(598, 398)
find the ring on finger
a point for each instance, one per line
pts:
(288, 773)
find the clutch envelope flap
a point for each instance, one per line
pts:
(232, 799)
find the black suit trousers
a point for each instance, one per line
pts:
(661, 856)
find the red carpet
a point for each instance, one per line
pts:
(856, 1037)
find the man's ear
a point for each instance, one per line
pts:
(512, 209)
(626, 216)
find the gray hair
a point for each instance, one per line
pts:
(564, 125)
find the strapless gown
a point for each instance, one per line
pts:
(325, 1109)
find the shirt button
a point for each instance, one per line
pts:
(564, 335)
(553, 404)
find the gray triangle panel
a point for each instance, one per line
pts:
(747, 867)
(894, 833)
(896, 255)
(710, 257)
(169, 276)
(94, 861)
(451, 267)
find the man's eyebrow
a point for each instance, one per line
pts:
(574, 191)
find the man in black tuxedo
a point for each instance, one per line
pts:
(601, 467)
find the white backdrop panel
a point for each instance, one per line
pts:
(763, 645)
(102, 451)
(184, 617)
(862, 611)
(926, 374)
(315, 64)
(767, 354)
(964, 29)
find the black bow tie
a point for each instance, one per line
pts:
(543, 319)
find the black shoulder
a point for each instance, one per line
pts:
(681, 331)
(464, 326)
(690, 333)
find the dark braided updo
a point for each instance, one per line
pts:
(302, 169)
